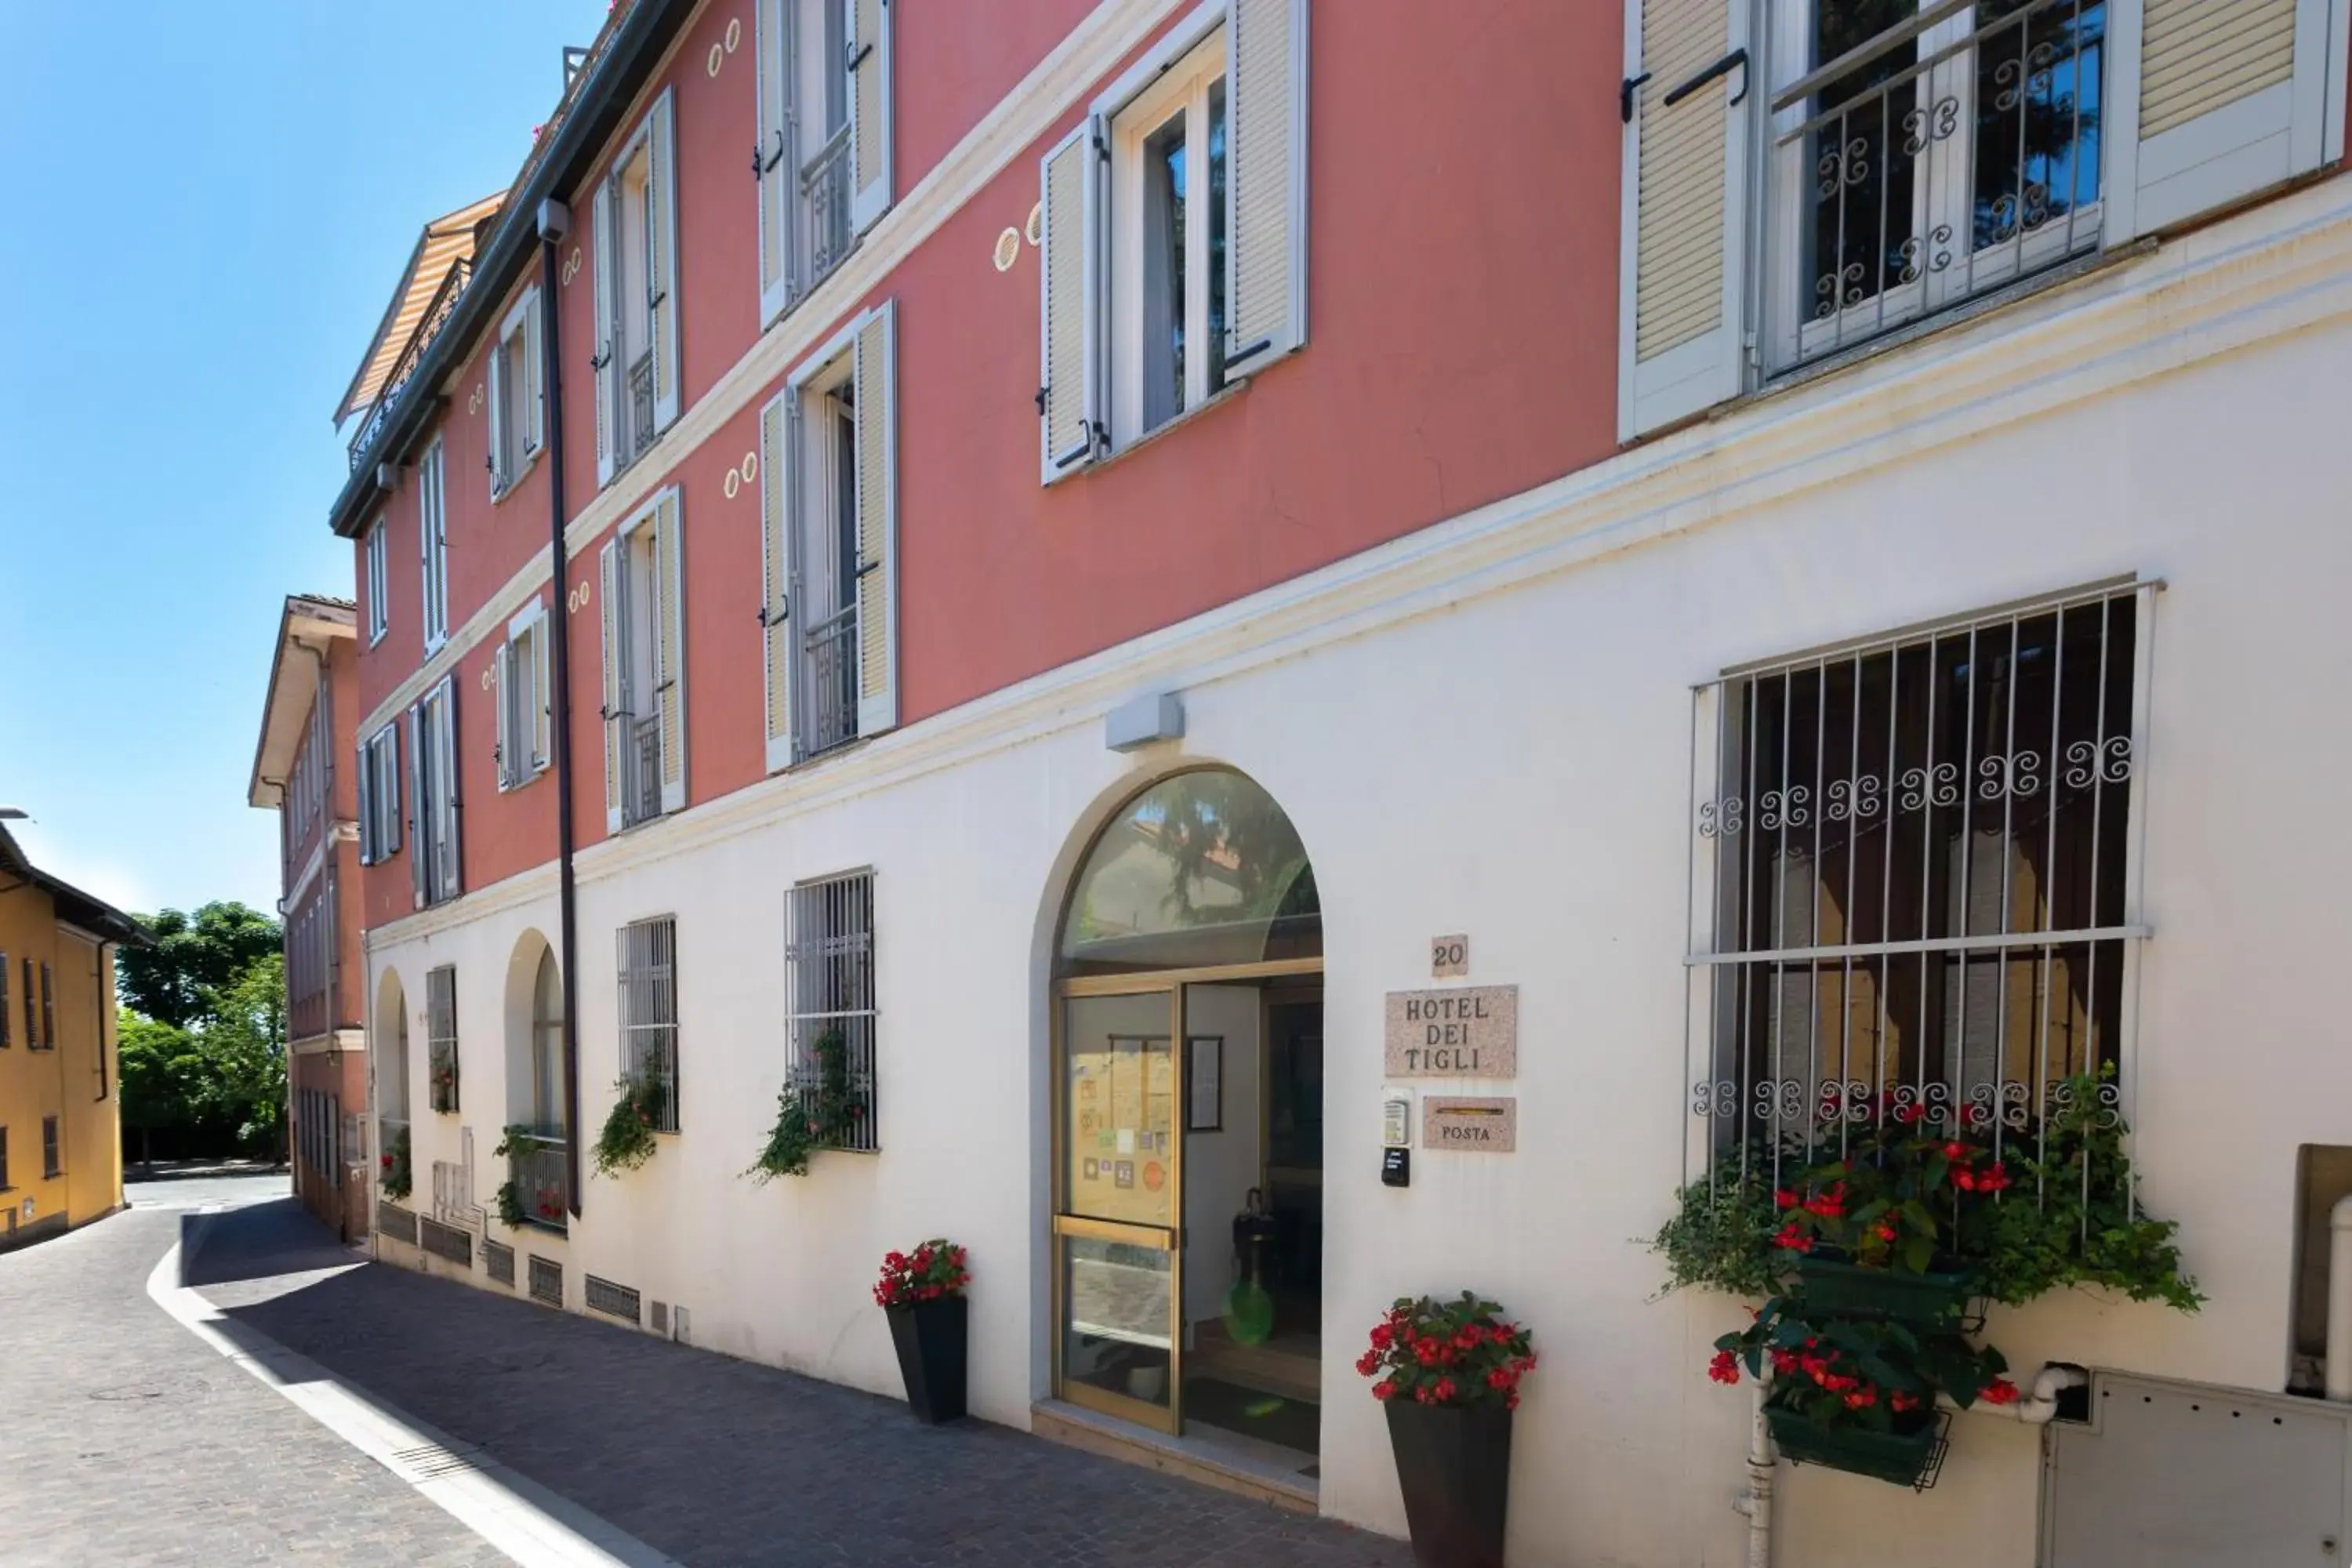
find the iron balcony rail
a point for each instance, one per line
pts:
(641, 404)
(1947, 156)
(644, 753)
(831, 652)
(403, 369)
(825, 196)
(537, 1163)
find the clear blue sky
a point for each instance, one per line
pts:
(212, 204)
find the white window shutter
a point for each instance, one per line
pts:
(661, 222)
(779, 435)
(604, 244)
(773, 164)
(499, 435)
(878, 521)
(388, 836)
(2213, 100)
(1265, 182)
(1069, 308)
(534, 356)
(445, 855)
(670, 646)
(364, 775)
(417, 825)
(869, 112)
(542, 687)
(503, 663)
(608, 586)
(1682, 326)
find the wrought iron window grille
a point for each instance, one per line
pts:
(649, 973)
(831, 1023)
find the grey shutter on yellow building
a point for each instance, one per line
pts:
(1682, 332)
(778, 434)
(2215, 100)
(1070, 396)
(670, 646)
(1266, 182)
(876, 374)
(869, 111)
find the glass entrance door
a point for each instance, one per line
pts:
(1118, 1209)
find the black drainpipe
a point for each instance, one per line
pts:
(555, 224)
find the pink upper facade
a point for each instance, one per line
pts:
(1463, 285)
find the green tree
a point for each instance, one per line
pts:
(195, 957)
(163, 1077)
(243, 1042)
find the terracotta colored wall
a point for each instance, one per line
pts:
(955, 60)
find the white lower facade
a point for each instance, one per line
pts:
(1486, 729)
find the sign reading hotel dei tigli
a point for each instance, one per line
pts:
(1465, 1031)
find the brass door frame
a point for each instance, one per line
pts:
(1062, 1223)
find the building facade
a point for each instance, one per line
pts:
(1796, 536)
(61, 1096)
(303, 769)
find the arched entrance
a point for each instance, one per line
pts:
(537, 1139)
(390, 1066)
(1188, 1117)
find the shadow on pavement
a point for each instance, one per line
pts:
(712, 1459)
(275, 1235)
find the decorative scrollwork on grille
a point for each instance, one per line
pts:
(1845, 1100)
(2105, 1111)
(2010, 1103)
(1920, 787)
(1726, 817)
(1780, 1099)
(1859, 798)
(1712, 1098)
(2018, 775)
(2089, 762)
(1792, 807)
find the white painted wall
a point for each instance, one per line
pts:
(2193, 432)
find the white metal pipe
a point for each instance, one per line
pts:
(1756, 1501)
(2339, 1300)
(2036, 1407)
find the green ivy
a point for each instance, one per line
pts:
(627, 1139)
(510, 1209)
(810, 1117)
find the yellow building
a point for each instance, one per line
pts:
(60, 1102)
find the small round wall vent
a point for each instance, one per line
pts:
(1008, 249)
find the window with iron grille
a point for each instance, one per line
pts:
(649, 1012)
(1916, 881)
(441, 1036)
(829, 981)
(546, 1280)
(52, 1160)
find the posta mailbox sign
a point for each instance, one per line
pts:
(1466, 1031)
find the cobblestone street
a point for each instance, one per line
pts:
(154, 1449)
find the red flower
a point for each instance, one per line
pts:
(1958, 1151)
(1724, 1368)
(1382, 1336)
(1368, 1363)
(1862, 1398)
(1445, 1389)
(1384, 1389)
(1785, 1198)
(1904, 1401)
(1994, 1177)
(1791, 1239)
(1883, 1231)
(1511, 1401)
(1999, 1391)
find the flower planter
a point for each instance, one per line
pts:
(1454, 1465)
(930, 1341)
(1907, 1457)
(1829, 1285)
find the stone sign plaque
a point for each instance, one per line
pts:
(1449, 958)
(1468, 1031)
(1474, 1126)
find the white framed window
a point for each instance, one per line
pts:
(432, 537)
(521, 679)
(433, 815)
(1882, 161)
(642, 589)
(829, 1004)
(633, 235)
(829, 520)
(441, 1038)
(517, 406)
(1916, 883)
(1174, 231)
(379, 583)
(648, 974)
(823, 160)
(379, 795)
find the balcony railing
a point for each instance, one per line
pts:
(824, 198)
(641, 403)
(643, 793)
(537, 1164)
(428, 327)
(829, 713)
(1947, 156)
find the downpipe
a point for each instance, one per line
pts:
(2340, 1301)
(1756, 1502)
(2036, 1407)
(554, 226)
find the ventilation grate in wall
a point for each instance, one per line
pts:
(498, 1258)
(658, 1320)
(396, 1222)
(445, 1241)
(613, 1300)
(546, 1280)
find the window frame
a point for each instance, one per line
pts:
(434, 794)
(523, 324)
(831, 973)
(441, 1041)
(53, 1152)
(646, 983)
(378, 581)
(433, 543)
(522, 664)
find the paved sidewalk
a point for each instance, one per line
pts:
(127, 1442)
(717, 1462)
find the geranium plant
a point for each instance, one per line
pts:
(1459, 1352)
(396, 1180)
(1874, 1374)
(824, 1114)
(933, 1270)
(627, 1139)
